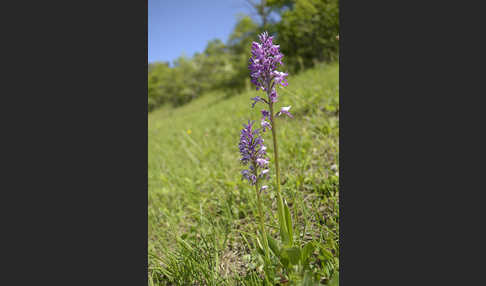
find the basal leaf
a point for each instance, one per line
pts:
(294, 254)
(273, 245)
(288, 221)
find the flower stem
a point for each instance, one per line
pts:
(277, 170)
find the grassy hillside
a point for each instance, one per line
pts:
(202, 215)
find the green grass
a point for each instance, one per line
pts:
(202, 216)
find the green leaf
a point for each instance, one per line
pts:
(284, 259)
(326, 253)
(288, 220)
(284, 235)
(259, 247)
(184, 244)
(335, 280)
(283, 229)
(285, 262)
(273, 245)
(308, 279)
(307, 251)
(293, 254)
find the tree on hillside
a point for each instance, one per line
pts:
(307, 32)
(213, 65)
(158, 76)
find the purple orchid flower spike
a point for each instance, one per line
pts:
(252, 153)
(263, 64)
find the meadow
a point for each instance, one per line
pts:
(202, 215)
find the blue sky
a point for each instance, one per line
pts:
(185, 26)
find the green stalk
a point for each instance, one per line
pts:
(280, 207)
